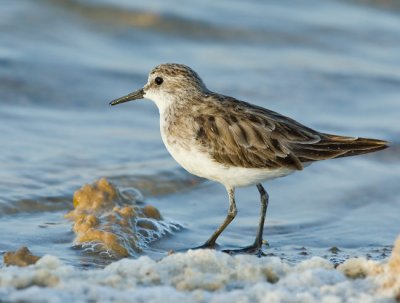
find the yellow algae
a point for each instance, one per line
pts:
(126, 211)
(104, 217)
(85, 222)
(145, 224)
(21, 257)
(359, 268)
(100, 195)
(150, 211)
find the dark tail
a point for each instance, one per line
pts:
(332, 146)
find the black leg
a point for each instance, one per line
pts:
(263, 212)
(210, 243)
(255, 248)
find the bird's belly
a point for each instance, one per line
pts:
(202, 165)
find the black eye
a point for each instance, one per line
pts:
(158, 80)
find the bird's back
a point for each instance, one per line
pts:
(236, 133)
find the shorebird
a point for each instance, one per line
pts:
(233, 142)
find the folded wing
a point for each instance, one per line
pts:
(254, 137)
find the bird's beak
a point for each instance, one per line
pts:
(139, 94)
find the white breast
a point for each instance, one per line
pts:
(202, 165)
(199, 163)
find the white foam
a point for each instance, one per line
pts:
(204, 276)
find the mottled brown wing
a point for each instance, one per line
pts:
(252, 137)
(238, 134)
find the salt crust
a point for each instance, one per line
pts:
(206, 276)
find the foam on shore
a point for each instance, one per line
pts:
(206, 276)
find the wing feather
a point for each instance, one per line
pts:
(236, 133)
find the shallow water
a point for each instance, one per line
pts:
(332, 65)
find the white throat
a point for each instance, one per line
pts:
(163, 101)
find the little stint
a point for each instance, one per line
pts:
(233, 142)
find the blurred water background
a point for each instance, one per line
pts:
(332, 65)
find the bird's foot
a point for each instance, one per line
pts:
(206, 245)
(249, 250)
(254, 249)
